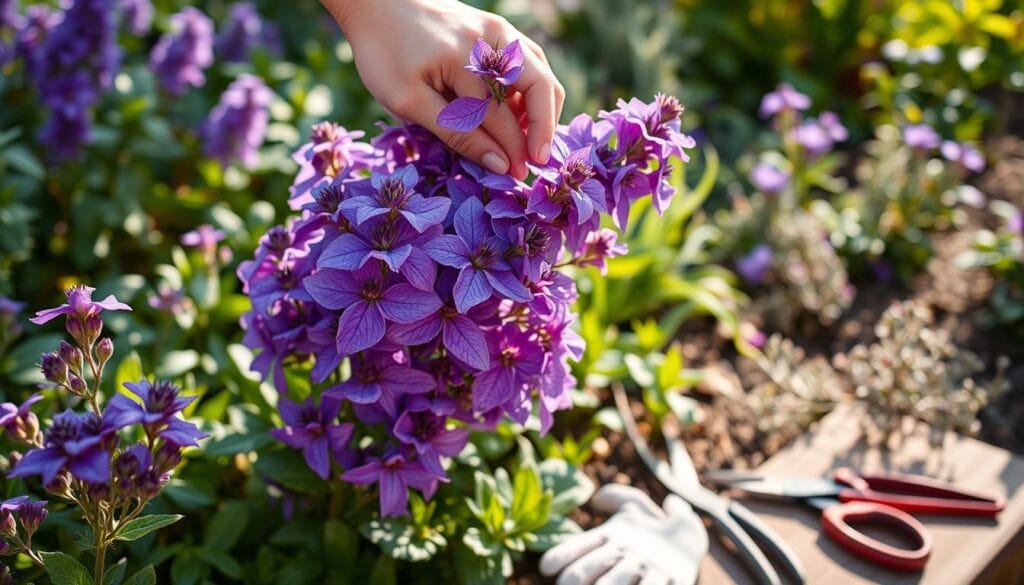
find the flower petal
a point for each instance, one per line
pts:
(355, 391)
(493, 388)
(471, 222)
(508, 286)
(318, 457)
(471, 289)
(332, 289)
(463, 114)
(416, 333)
(449, 250)
(394, 495)
(347, 252)
(420, 270)
(404, 303)
(361, 327)
(465, 341)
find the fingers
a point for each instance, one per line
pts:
(625, 572)
(654, 577)
(544, 97)
(588, 568)
(476, 144)
(558, 557)
(501, 123)
(609, 498)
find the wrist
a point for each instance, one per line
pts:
(343, 11)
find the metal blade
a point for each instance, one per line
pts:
(782, 488)
(679, 460)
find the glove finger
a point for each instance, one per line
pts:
(625, 572)
(556, 558)
(613, 496)
(679, 511)
(676, 506)
(590, 566)
(655, 577)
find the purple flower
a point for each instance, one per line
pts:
(394, 195)
(428, 434)
(965, 154)
(181, 55)
(395, 473)
(157, 413)
(920, 137)
(784, 98)
(204, 238)
(499, 68)
(10, 310)
(369, 300)
(600, 246)
(502, 66)
(168, 299)
(75, 442)
(80, 306)
(315, 430)
(332, 152)
(515, 361)
(378, 378)
(830, 122)
(18, 421)
(755, 265)
(768, 179)
(474, 252)
(1016, 223)
(137, 16)
(397, 245)
(236, 126)
(244, 32)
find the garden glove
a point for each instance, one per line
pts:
(640, 542)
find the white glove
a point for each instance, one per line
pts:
(639, 543)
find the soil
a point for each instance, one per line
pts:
(728, 435)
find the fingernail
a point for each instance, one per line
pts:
(542, 154)
(495, 163)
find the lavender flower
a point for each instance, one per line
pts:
(784, 98)
(755, 265)
(768, 178)
(244, 32)
(75, 442)
(920, 137)
(83, 313)
(137, 16)
(965, 154)
(332, 152)
(170, 300)
(395, 473)
(181, 55)
(204, 238)
(500, 69)
(157, 413)
(236, 126)
(314, 429)
(599, 247)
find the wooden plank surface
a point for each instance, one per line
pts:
(966, 550)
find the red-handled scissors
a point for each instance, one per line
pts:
(880, 498)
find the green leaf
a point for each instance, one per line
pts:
(146, 576)
(115, 573)
(187, 495)
(530, 505)
(402, 540)
(480, 542)
(226, 526)
(289, 469)
(64, 570)
(139, 527)
(21, 159)
(477, 570)
(552, 533)
(187, 568)
(222, 561)
(129, 370)
(572, 487)
(384, 571)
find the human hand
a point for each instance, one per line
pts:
(640, 542)
(411, 56)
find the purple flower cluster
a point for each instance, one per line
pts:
(181, 55)
(438, 282)
(137, 16)
(244, 32)
(70, 61)
(499, 69)
(234, 129)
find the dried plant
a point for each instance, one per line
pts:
(914, 369)
(799, 390)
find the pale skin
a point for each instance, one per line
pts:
(410, 55)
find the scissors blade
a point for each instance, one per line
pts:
(679, 459)
(779, 488)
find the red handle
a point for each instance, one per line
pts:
(835, 523)
(916, 493)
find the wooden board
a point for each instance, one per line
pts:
(966, 550)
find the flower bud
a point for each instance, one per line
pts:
(5, 549)
(104, 349)
(24, 427)
(77, 385)
(99, 492)
(54, 368)
(32, 515)
(72, 356)
(13, 459)
(8, 528)
(60, 486)
(168, 457)
(148, 485)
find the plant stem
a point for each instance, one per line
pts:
(101, 553)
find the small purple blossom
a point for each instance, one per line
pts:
(80, 306)
(784, 98)
(76, 443)
(1016, 223)
(182, 54)
(500, 69)
(331, 153)
(394, 473)
(754, 266)
(768, 178)
(245, 32)
(18, 421)
(599, 247)
(236, 126)
(157, 413)
(168, 299)
(204, 238)
(314, 429)
(920, 137)
(965, 154)
(137, 16)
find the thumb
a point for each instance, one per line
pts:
(613, 496)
